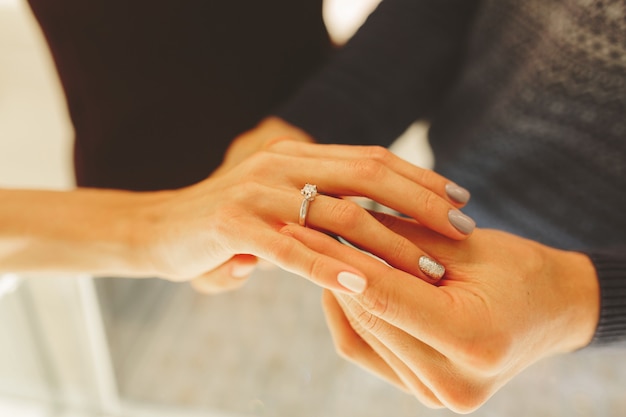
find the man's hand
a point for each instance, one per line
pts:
(504, 303)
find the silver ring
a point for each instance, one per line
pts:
(308, 192)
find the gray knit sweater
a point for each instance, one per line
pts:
(527, 104)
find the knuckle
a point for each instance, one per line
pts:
(346, 214)
(247, 189)
(378, 303)
(368, 321)
(316, 268)
(431, 202)
(280, 248)
(490, 355)
(463, 396)
(379, 153)
(278, 144)
(358, 319)
(427, 176)
(261, 162)
(368, 169)
(486, 352)
(401, 250)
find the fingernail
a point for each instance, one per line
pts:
(431, 267)
(242, 270)
(461, 222)
(352, 282)
(457, 194)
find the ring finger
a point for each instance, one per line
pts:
(353, 223)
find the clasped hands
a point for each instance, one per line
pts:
(503, 304)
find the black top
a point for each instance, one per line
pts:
(157, 89)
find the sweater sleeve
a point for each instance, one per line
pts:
(395, 68)
(610, 267)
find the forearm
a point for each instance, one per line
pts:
(81, 231)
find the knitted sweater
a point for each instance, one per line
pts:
(527, 104)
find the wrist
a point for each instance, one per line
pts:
(579, 287)
(148, 234)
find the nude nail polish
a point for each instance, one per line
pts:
(461, 222)
(457, 194)
(352, 282)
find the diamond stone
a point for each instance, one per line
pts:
(309, 191)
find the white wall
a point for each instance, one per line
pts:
(35, 134)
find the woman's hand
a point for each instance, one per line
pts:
(189, 232)
(269, 131)
(504, 303)
(233, 273)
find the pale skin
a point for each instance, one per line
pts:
(504, 303)
(213, 231)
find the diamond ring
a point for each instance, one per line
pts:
(308, 192)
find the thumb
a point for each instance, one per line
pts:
(229, 276)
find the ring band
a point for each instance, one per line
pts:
(308, 192)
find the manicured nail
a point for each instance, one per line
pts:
(242, 270)
(352, 282)
(457, 194)
(431, 267)
(461, 222)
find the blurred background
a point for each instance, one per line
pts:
(74, 346)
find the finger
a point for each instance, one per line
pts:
(391, 294)
(350, 221)
(356, 225)
(436, 245)
(229, 276)
(369, 178)
(372, 179)
(294, 256)
(255, 228)
(409, 377)
(432, 376)
(425, 177)
(352, 347)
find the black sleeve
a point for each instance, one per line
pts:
(395, 68)
(611, 270)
